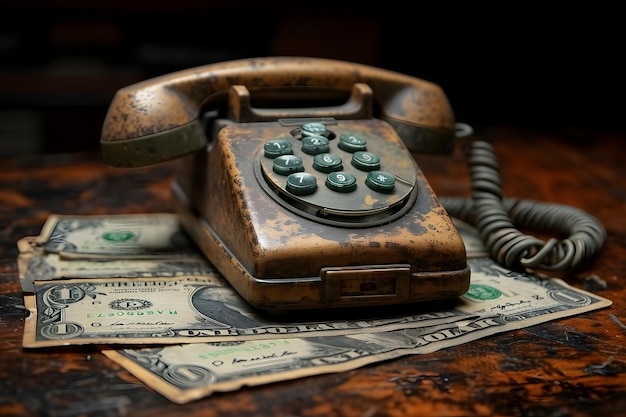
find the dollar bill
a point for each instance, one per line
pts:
(122, 236)
(201, 309)
(40, 266)
(184, 373)
(185, 310)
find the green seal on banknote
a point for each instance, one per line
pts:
(481, 292)
(118, 236)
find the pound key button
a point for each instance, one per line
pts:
(380, 181)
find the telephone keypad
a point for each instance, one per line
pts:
(344, 171)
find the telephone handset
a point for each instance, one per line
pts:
(295, 177)
(160, 119)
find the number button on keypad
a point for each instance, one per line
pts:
(342, 182)
(287, 164)
(301, 183)
(365, 161)
(313, 145)
(352, 143)
(277, 147)
(327, 162)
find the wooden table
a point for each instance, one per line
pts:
(569, 367)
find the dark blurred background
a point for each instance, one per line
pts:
(550, 69)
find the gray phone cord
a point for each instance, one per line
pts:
(497, 220)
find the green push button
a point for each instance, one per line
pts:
(352, 143)
(365, 161)
(380, 181)
(342, 182)
(277, 147)
(313, 128)
(287, 164)
(301, 183)
(314, 145)
(327, 162)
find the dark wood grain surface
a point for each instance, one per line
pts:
(569, 367)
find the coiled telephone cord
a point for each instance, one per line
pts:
(498, 220)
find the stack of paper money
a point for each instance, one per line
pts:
(122, 280)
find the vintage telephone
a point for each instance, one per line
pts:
(295, 178)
